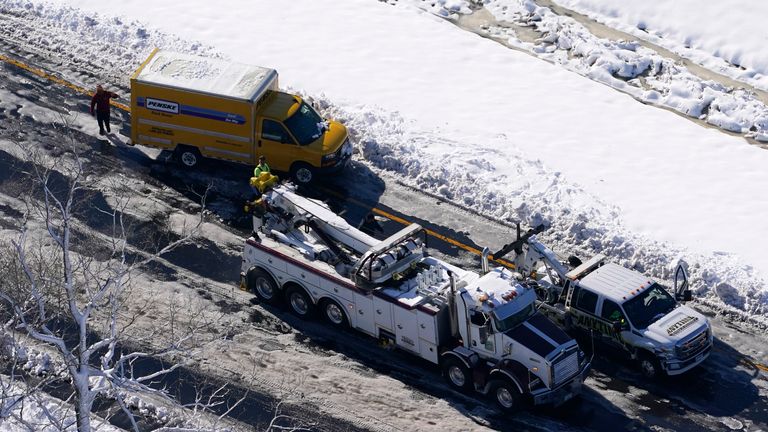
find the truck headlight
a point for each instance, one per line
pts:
(329, 159)
(665, 351)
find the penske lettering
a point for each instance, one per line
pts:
(162, 105)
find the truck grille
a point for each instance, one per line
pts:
(693, 346)
(565, 367)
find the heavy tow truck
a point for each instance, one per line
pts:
(619, 307)
(482, 329)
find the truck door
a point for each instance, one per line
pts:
(611, 312)
(274, 142)
(480, 334)
(583, 307)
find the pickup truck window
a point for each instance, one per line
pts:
(305, 124)
(586, 301)
(649, 306)
(274, 131)
(611, 312)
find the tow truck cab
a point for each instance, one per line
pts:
(636, 314)
(515, 344)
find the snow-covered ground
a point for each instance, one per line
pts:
(492, 128)
(729, 37)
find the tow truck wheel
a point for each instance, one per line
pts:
(457, 374)
(649, 365)
(506, 395)
(299, 302)
(302, 173)
(262, 284)
(333, 313)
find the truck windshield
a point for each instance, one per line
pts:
(649, 306)
(305, 125)
(513, 320)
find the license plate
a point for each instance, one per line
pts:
(699, 358)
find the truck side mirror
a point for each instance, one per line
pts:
(687, 295)
(483, 334)
(616, 327)
(485, 331)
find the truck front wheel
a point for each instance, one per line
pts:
(457, 374)
(649, 365)
(506, 395)
(302, 173)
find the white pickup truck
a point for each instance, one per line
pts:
(482, 329)
(623, 308)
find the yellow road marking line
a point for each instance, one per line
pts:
(53, 78)
(41, 73)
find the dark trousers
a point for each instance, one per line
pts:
(103, 119)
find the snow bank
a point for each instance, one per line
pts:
(728, 37)
(631, 68)
(527, 139)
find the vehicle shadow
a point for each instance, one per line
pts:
(721, 386)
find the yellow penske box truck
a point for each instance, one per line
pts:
(200, 107)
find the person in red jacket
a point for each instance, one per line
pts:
(101, 101)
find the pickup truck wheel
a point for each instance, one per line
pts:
(457, 374)
(263, 286)
(299, 302)
(189, 157)
(302, 173)
(506, 395)
(649, 365)
(334, 314)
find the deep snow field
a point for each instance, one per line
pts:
(485, 126)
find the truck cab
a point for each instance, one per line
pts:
(519, 351)
(638, 315)
(296, 139)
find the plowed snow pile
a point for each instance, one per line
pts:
(485, 126)
(728, 37)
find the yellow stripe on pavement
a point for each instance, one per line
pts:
(402, 221)
(53, 78)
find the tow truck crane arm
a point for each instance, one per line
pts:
(529, 250)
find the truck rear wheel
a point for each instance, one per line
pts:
(334, 313)
(263, 286)
(189, 157)
(302, 173)
(457, 374)
(506, 395)
(299, 302)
